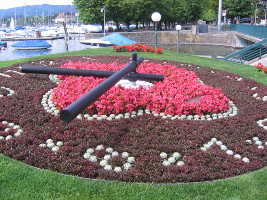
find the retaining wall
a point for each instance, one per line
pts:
(186, 37)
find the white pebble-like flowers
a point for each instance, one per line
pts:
(8, 126)
(54, 146)
(106, 160)
(172, 159)
(223, 147)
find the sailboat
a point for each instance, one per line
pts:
(30, 44)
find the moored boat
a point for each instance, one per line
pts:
(3, 44)
(31, 45)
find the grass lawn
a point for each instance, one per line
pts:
(19, 181)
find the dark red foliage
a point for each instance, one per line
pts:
(143, 137)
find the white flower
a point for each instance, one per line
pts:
(79, 117)
(256, 139)
(127, 166)
(99, 147)
(117, 117)
(112, 116)
(207, 146)
(180, 163)
(223, 147)
(163, 155)
(59, 143)
(130, 159)
(203, 149)
(171, 159)
(237, 156)
(109, 150)
(16, 127)
(176, 155)
(87, 155)
(8, 137)
(118, 169)
(50, 145)
(42, 145)
(1, 137)
(93, 159)
(249, 141)
(229, 152)
(125, 155)
(55, 148)
(99, 118)
(103, 163)
(255, 95)
(114, 153)
(261, 147)
(107, 157)
(90, 150)
(17, 134)
(213, 140)
(258, 142)
(11, 125)
(49, 141)
(246, 160)
(219, 143)
(108, 167)
(166, 163)
(20, 131)
(7, 129)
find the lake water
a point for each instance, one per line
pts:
(58, 46)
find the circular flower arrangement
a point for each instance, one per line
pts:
(178, 130)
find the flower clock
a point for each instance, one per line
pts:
(199, 124)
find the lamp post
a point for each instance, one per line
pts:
(178, 28)
(103, 10)
(220, 15)
(156, 17)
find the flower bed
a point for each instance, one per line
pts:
(143, 148)
(173, 96)
(138, 47)
(260, 68)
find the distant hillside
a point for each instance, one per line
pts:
(40, 10)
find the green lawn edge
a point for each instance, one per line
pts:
(19, 181)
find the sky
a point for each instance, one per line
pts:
(5, 4)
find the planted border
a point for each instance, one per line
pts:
(144, 137)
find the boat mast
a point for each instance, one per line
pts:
(15, 16)
(25, 23)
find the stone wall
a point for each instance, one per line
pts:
(186, 37)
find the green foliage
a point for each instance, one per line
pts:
(239, 8)
(90, 10)
(210, 10)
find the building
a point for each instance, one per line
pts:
(65, 17)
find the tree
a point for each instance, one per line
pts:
(90, 11)
(210, 10)
(239, 8)
(114, 11)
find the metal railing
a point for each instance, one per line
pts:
(249, 53)
(252, 30)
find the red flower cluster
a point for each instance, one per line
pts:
(174, 96)
(260, 68)
(136, 47)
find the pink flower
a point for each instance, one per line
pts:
(172, 96)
